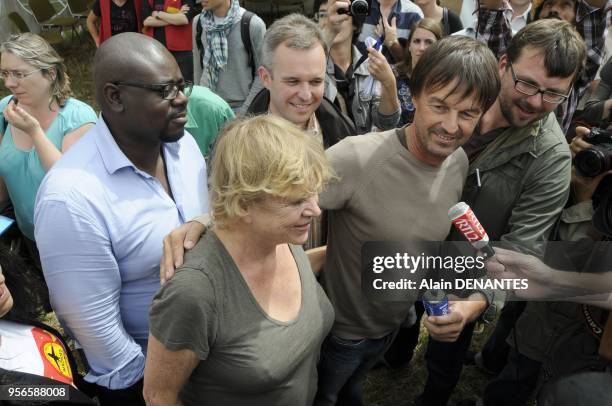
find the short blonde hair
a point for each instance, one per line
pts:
(264, 156)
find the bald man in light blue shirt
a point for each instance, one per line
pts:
(103, 210)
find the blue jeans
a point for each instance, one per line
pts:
(343, 367)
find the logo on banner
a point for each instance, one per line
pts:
(54, 356)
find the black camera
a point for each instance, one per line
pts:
(597, 159)
(602, 206)
(357, 8)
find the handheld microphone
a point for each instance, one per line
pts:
(467, 224)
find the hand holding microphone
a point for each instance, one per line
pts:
(447, 318)
(468, 225)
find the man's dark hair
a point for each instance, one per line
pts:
(27, 287)
(317, 5)
(460, 60)
(562, 47)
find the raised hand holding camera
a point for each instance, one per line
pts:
(357, 8)
(593, 152)
(335, 19)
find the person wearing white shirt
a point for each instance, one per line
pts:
(518, 16)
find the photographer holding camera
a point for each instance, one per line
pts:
(567, 335)
(597, 108)
(352, 73)
(592, 155)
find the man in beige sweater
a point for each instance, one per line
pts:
(395, 185)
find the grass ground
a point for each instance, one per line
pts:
(383, 387)
(400, 387)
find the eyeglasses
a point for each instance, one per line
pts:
(167, 91)
(17, 74)
(531, 90)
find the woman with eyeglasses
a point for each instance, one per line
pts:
(39, 122)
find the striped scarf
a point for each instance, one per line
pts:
(215, 55)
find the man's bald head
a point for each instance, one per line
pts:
(131, 73)
(127, 57)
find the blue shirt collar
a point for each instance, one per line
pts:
(114, 158)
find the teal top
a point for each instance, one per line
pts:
(207, 113)
(22, 171)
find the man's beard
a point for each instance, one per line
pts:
(508, 113)
(177, 135)
(553, 15)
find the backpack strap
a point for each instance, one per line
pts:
(198, 40)
(593, 326)
(245, 33)
(445, 21)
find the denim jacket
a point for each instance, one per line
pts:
(363, 108)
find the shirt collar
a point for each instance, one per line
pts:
(313, 125)
(584, 9)
(362, 69)
(113, 157)
(510, 11)
(313, 128)
(401, 7)
(468, 31)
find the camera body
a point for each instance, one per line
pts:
(596, 160)
(602, 206)
(599, 136)
(358, 8)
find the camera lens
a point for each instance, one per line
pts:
(359, 7)
(593, 161)
(602, 204)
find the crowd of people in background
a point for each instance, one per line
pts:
(243, 167)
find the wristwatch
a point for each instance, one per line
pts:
(489, 314)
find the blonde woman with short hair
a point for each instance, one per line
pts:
(242, 322)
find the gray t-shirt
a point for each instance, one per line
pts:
(384, 194)
(247, 357)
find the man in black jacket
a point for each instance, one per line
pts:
(293, 74)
